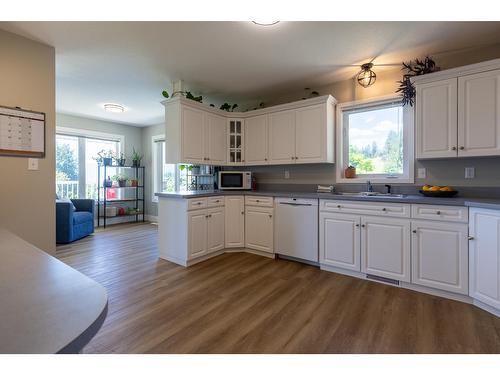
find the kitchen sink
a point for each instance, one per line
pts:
(370, 194)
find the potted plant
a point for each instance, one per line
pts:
(350, 172)
(104, 158)
(120, 179)
(121, 160)
(136, 158)
(133, 182)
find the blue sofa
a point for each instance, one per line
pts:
(71, 224)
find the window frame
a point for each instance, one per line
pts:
(408, 176)
(157, 168)
(82, 134)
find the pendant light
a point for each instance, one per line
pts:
(366, 77)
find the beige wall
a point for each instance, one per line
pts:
(441, 172)
(27, 80)
(132, 134)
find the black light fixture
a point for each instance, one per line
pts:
(366, 77)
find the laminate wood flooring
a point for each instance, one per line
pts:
(244, 303)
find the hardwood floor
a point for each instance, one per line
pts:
(244, 303)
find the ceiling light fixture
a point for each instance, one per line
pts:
(115, 108)
(366, 77)
(265, 22)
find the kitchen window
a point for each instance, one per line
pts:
(375, 137)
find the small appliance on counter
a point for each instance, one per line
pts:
(235, 180)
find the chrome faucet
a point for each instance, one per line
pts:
(369, 186)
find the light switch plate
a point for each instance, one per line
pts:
(421, 173)
(32, 164)
(470, 172)
(287, 174)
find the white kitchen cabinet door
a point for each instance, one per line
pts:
(215, 229)
(259, 228)
(484, 256)
(256, 144)
(235, 221)
(197, 233)
(436, 119)
(479, 114)
(311, 134)
(193, 136)
(440, 256)
(339, 240)
(216, 139)
(282, 137)
(385, 247)
(235, 142)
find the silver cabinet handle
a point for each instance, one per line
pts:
(462, 148)
(438, 212)
(363, 225)
(257, 200)
(292, 157)
(339, 206)
(357, 225)
(265, 159)
(384, 209)
(414, 231)
(270, 216)
(243, 212)
(453, 148)
(470, 238)
(198, 203)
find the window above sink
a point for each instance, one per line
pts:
(376, 137)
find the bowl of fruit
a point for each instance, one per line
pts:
(438, 191)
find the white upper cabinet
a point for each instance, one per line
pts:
(256, 144)
(459, 116)
(299, 132)
(436, 117)
(484, 256)
(215, 139)
(479, 114)
(282, 137)
(193, 136)
(311, 129)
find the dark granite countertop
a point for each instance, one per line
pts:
(415, 199)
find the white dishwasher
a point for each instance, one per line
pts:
(296, 228)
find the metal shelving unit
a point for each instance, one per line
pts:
(103, 201)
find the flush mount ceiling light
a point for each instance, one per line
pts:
(366, 77)
(265, 22)
(115, 108)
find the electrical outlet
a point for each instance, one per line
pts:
(32, 164)
(421, 173)
(287, 174)
(470, 172)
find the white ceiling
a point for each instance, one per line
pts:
(130, 63)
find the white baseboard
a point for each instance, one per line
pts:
(151, 218)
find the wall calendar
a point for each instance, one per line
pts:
(22, 133)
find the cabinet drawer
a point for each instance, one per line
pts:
(215, 201)
(258, 201)
(366, 208)
(196, 203)
(442, 213)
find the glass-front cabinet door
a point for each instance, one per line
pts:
(235, 142)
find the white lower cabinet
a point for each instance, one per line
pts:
(484, 256)
(440, 255)
(339, 240)
(259, 228)
(197, 233)
(205, 231)
(385, 247)
(235, 221)
(215, 229)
